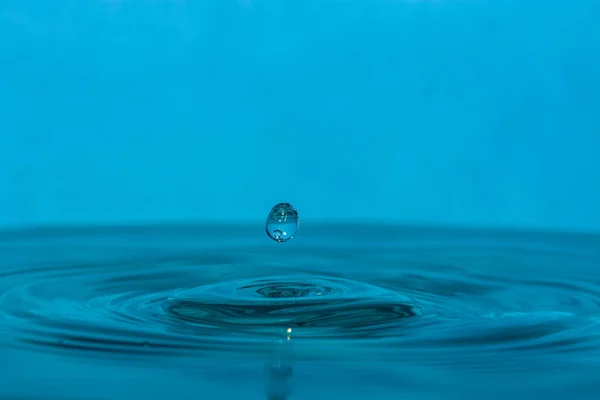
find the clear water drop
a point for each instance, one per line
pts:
(282, 222)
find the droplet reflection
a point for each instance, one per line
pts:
(282, 222)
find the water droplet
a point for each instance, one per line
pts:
(282, 222)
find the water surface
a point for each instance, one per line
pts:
(342, 311)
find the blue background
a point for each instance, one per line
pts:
(478, 113)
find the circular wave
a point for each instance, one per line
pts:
(321, 306)
(136, 294)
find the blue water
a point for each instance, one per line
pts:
(475, 113)
(340, 311)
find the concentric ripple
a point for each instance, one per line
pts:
(328, 306)
(479, 300)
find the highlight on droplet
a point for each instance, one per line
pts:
(282, 222)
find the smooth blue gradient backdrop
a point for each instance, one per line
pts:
(481, 112)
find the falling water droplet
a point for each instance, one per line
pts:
(282, 222)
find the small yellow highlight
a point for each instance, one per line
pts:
(289, 330)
